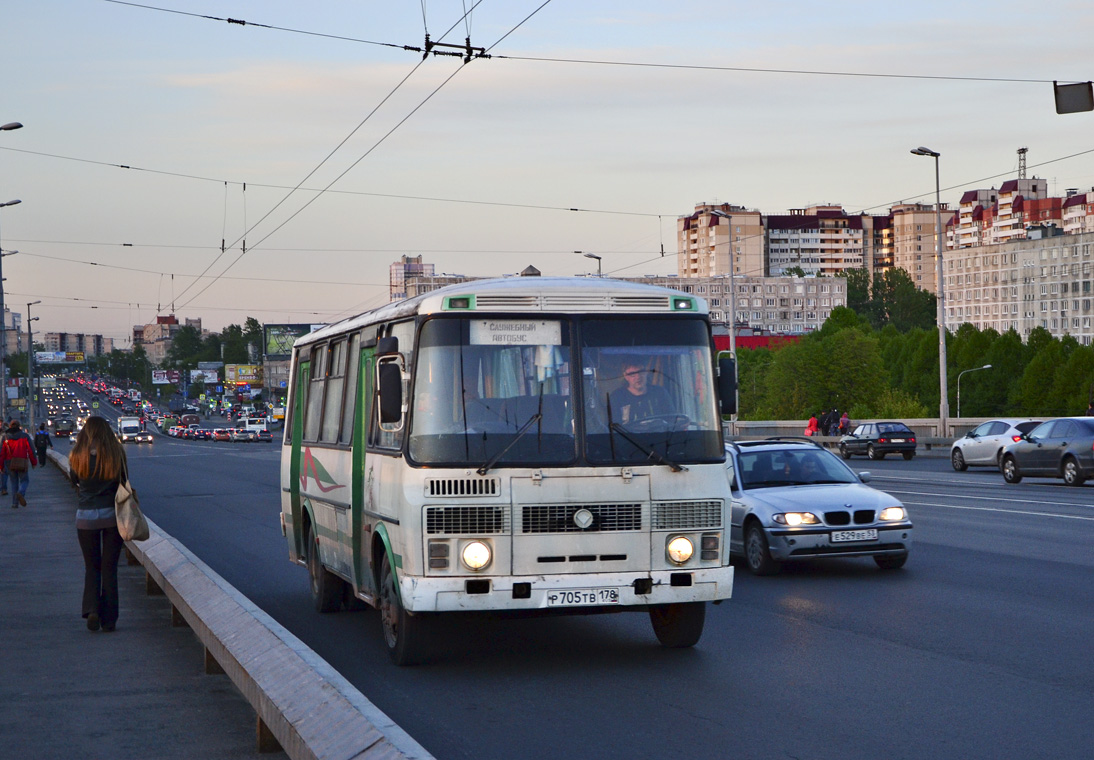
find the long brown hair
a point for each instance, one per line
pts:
(97, 438)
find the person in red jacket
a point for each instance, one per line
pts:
(17, 455)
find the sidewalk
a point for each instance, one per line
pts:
(139, 692)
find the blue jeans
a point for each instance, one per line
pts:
(19, 482)
(4, 479)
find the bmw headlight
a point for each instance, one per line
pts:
(797, 518)
(475, 555)
(892, 514)
(679, 549)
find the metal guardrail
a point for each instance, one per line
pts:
(303, 705)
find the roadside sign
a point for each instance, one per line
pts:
(94, 404)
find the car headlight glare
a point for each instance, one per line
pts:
(475, 555)
(797, 518)
(679, 549)
(891, 514)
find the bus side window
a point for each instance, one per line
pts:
(313, 411)
(332, 407)
(349, 407)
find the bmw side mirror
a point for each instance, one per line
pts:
(864, 477)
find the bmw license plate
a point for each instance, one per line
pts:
(583, 597)
(867, 534)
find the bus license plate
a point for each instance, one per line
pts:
(869, 534)
(582, 597)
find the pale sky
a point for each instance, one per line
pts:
(191, 103)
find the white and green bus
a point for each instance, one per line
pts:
(520, 444)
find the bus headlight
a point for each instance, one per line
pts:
(679, 549)
(475, 555)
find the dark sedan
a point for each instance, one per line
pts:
(1060, 448)
(876, 439)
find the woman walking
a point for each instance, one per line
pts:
(17, 456)
(97, 466)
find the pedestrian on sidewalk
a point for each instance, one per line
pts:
(17, 456)
(42, 441)
(96, 467)
(3, 466)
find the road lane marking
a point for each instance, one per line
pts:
(1004, 511)
(993, 498)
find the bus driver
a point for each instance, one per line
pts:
(638, 399)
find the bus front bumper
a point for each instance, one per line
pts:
(592, 590)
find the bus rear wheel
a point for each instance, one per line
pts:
(404, 634)
(326, 587)
(678, 625)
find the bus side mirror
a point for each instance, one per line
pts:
(727, 383)
(391, 393)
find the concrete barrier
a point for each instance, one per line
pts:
(302, 704)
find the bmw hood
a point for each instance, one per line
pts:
(822, 497)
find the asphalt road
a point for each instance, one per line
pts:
(978, 648)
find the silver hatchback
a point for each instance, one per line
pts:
(984, 444)
(794, 500)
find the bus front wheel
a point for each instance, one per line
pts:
(404, 634)
(326, 587)
(678, 625)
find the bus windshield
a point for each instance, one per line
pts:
(648, 392)
(493, 388)
(501, 391)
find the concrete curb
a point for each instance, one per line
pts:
(302, 703)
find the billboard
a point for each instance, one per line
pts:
(278, 339)
(207, 376)
(165, 376)
(243, 373)
(58, 357)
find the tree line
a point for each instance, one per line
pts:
(878, 357)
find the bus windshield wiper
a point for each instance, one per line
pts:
(519, 434)
(649, 451)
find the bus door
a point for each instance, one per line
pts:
(362, 487)
(303, 377)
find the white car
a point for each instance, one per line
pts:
(984, 444)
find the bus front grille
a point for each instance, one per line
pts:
(466, 520)
(559, 518)
(684, 515)
(463, 487)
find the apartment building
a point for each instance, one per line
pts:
(1022, 284)
(399, 271)
(1078, 212)
(706, 241)
(156, 337)
(914, 242)
(90, 345)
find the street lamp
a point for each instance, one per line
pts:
(32, 391)
(959, 374)
(944, 393)
(3, 320)
(732, 313)
(593, 256)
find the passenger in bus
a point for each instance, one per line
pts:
(638, 399)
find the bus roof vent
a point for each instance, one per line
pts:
(507, 302)
(640, 303)
(529, 271)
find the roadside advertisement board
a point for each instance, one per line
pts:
(243, 373)
(278, 339)
(58, 357)
(207, 376)
(165, 376)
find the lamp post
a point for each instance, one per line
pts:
(959, 374)
(732, 314)
(944, 393)
(4, 323)
(32, 390)
(597, 262)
